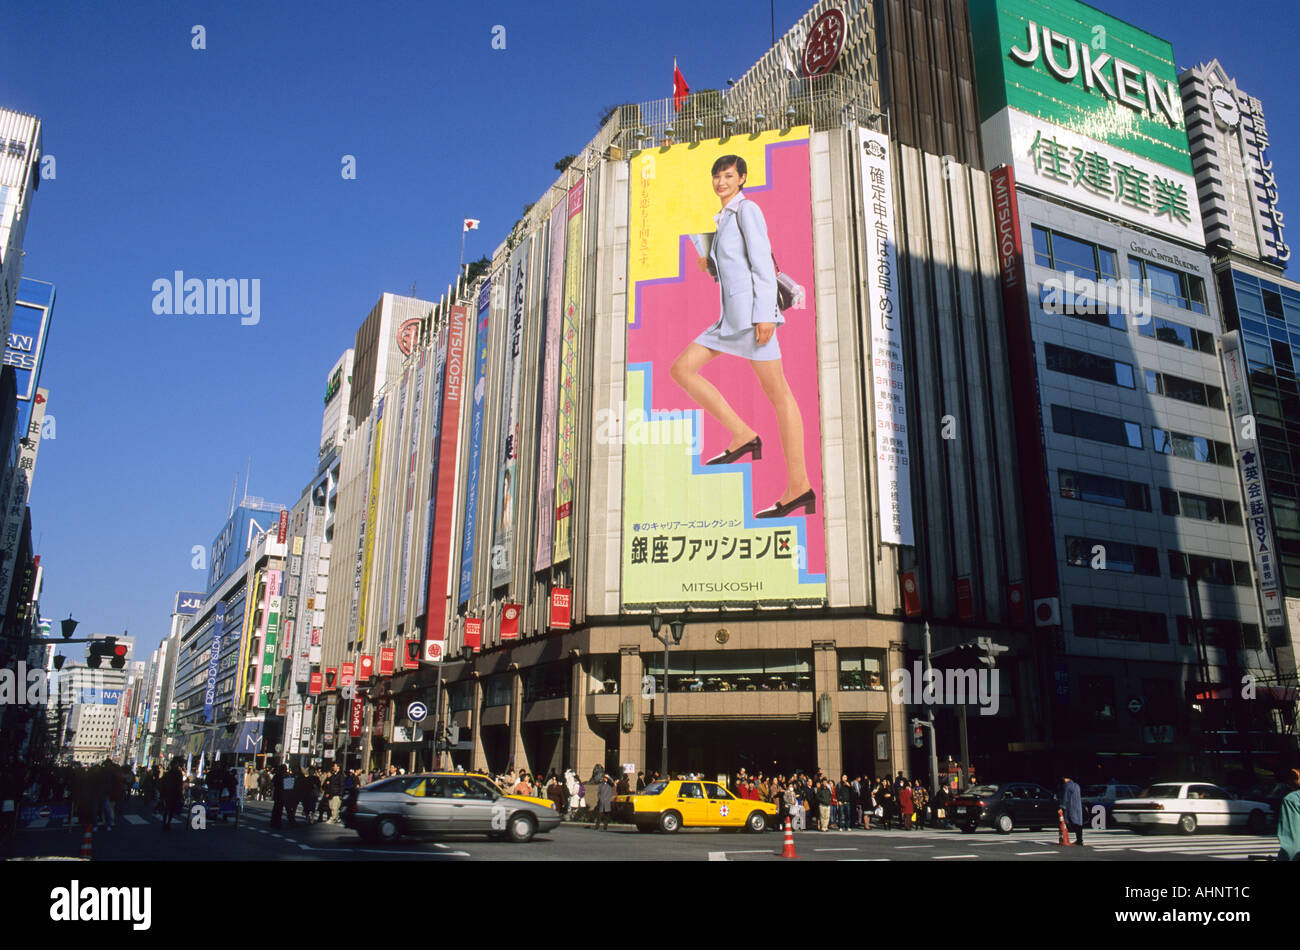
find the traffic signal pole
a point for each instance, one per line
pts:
(929, 711)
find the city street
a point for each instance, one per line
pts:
(139, 837)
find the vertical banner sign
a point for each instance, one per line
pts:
(365, 669)
(1251, 468)
(331, 719)
(357, 568)
(508, 477)
(379, 726)
(436, 394)
(387, 657)
(392, 536)
(17, 493)
(474, 632)
(560, 599)
(566, 446)
(210, 691)
(412, 456)
(550, 371)
(348, 674)
(282, 531)
(271, 619)
(510, 621)
(410, 662)
(893, 475)
(370, 520)
(1022, 369)
(358, 711)
(692, 531)
(314, 683)
(295, 730)
(445, 479)
(475, 444)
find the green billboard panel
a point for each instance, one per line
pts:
(1073, 66)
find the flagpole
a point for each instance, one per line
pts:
(461, 266)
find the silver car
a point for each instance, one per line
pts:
(435, 803)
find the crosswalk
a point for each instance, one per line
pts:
(1232, 847)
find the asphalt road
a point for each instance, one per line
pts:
(139, 837)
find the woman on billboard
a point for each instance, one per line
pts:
(740, 259)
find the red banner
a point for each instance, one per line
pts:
(331, 677)
(411, 655)
(379, 723)
(1016, 604)
(911, 595)
(965, 599)
(510, 621)
(474, 633)
(314, 684)
(349, 674)
(445, 484)
(283, 531)
(387, 658)
(367, 669)
(358, 713)
(560, 614)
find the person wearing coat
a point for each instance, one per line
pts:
(604, 803)
(170, 793)
(905, 806)
(1288, 821)
(1072, 806)
(740, 259)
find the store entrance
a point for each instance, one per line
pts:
(724, 748)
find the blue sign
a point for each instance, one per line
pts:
(99, 697)
(475, 443)
(25, 348)
(231, 545)
(188, 602)
(417, 712)
(210, 692)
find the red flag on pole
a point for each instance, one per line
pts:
(680, 89)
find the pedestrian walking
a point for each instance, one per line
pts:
(906, 806)
(824, 803)
(1288, 821)
(604, 802)
(170, 792)
(1072, 807)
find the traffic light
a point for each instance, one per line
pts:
(988, 652)
(918, 736)
(980, 653)
(106, 649)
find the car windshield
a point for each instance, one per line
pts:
(1162, 791)
(388, 785)
(983, 791)
(654, 788)
(1095, 791)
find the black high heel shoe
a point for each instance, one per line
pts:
(753, 447)
(807, 501)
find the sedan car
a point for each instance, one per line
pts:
(1005, 807)
(446, 803)
(671, 805)
(1188, 806)
(1106, 796)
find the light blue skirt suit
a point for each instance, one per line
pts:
(742, 258)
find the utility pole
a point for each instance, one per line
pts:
(929, 712)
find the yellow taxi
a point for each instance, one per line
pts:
(670, 805)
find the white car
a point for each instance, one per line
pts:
(1188, 806)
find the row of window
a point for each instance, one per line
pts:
(1156, 328)
(1066, 253)
(1100, 554)
(1121, 493)
(1099, 427)
(1102, 369)
(1144, 626)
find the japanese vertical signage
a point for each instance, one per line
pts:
(1268, 219)
(370, 517)
(475, 443)
(560, 607)
(282, 530)
(1251, 468)
(436, 399)
(893, 474)
(691, 534)
(210, 691)
(444, 483)
(391, 536)
(358, 567)
(19, 490)
(271, 630)
(566, 450)
(550, 382)
(412, 456)
(358, 711)
(387, 656)
(508, 478)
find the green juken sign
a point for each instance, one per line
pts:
(1073, 66)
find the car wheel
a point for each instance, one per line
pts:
(1257, 824)
(521, 828)
(756, 822)
(669, 822)
(1187, 824)
(644, 828)
(387, 829)
(1004, 824)
(968, 829)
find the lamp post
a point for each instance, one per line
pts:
(677, 627)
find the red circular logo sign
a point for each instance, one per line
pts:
(910, 585)
(825, 43)
(1044, 612)
(511, 613)
(407, 334)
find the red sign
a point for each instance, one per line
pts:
(911, 595)
(358, 712)
(825, 43)
(560, 597)
(433, 650)
(474, 632)
(411, 655)
(284, 527)
(314, 684)
(331, 677)
(510, 621)
(965, 599)
(282, 707)
(367, 669)
(349, 674)
(444, 486)
(408, 334)
(387, 657)
(379, 721)
(1016, 603)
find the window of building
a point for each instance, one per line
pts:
(1097, 697)
(1192, 447)
(1072, 255)
(1186, 390)
(1057, 303)
(1119, 555)
(1169, 286)
(1103, 490)
(604, 675)
(1200, 507)
(1224, 634)
(496, 690)
(1114, 623)
(1095, 426)
(546, 681)
(862, 669)
(1100, 369)
(1211, 570)
(717, 671)
(461, 697)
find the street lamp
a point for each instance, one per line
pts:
(678, 627)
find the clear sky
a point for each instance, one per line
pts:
(226, 162)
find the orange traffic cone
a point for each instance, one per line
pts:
(85, 844)
(1064, 840)
(788, 850)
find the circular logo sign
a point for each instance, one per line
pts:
(366, 663)
(825, 43)
(909, 585)
(512, 613)
(1135, 704)
(724, 811)
(417, 711)
(433, 651)
(407, 335)
(1044, 612)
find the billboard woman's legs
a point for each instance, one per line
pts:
(789, 423)
(685, 372)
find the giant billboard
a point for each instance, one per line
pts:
(566, 437)
(479, 395)
(721, 433)
(507, 484)
(550, 373)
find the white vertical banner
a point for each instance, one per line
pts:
(892, 472)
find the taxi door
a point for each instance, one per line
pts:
(692, 804)
(725, 809)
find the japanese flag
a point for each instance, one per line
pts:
(471, 224)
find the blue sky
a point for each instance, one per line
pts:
(226, 163)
